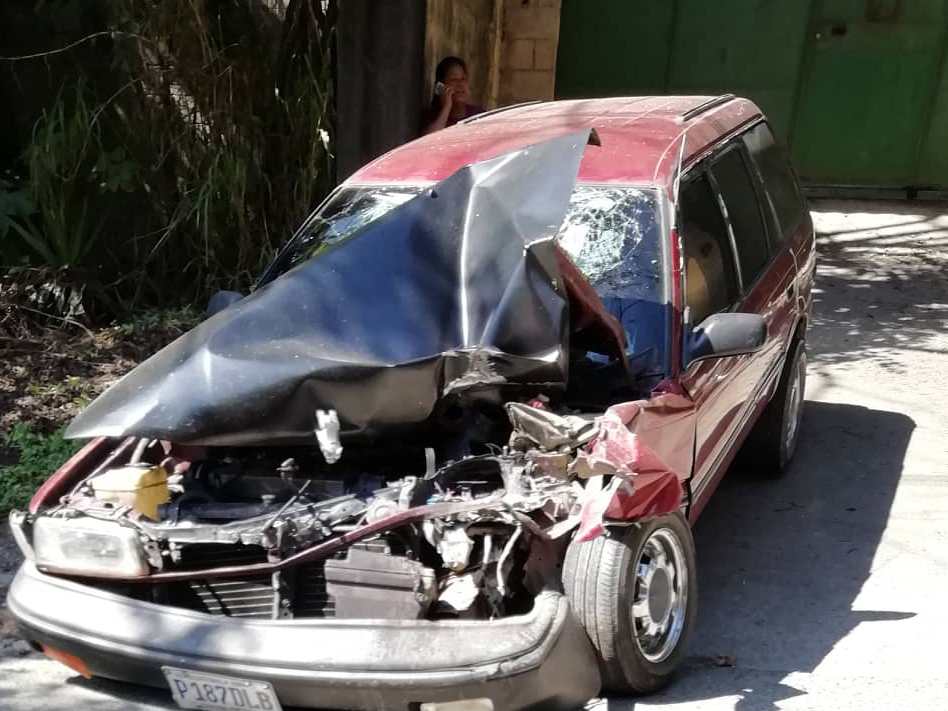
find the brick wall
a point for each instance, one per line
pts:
(530, 35)
(509, 46)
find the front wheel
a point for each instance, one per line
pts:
(635, 593)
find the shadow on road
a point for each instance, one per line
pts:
(782, 563)
(881, 292)
(135, 696)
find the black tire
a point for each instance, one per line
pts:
(599, 578)
(771, 445)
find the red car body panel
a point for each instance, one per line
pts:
(641, 145)
(641, 141)
(640, 137)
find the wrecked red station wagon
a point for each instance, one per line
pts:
(447, 454)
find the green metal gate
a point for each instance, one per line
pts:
(857, 88)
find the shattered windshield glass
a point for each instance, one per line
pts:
(613, 234)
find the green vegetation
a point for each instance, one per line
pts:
(177, 147)
(152, 153)
(149, 321)
(49, 375)
(154, 328)
(39, 456)
(74, 388)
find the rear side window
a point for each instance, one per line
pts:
(779, 181)
(710, 281)
(743, 209)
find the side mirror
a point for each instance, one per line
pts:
(221, 300)
(727, 334)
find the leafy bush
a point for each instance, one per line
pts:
(39, 456)
(167, 323)
(179, 154)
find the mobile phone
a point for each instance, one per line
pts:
(439, 88)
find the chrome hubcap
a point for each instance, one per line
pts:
(794, 408)
(660, 596)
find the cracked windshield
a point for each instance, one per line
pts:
(610, 233)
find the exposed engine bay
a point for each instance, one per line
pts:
(414, 437)
(332, 532)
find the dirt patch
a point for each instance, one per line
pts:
(48, 375)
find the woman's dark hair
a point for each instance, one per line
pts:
(444, 66)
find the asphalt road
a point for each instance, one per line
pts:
(823, 590)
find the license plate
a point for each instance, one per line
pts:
(211, 692)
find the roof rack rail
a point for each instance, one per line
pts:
(706, 106)
(499, 109)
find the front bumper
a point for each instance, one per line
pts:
(542, 660)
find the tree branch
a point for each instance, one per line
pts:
(105, 33)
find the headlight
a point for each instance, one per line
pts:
(88, 546)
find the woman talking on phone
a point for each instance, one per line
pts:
(449, 103)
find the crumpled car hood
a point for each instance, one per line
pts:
(455, 289)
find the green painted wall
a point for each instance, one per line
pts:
(613, 48)
(858, 88)
(865, 101)
(721, 47)
(933, 158)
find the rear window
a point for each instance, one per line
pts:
(778, 178)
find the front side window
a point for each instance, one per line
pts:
(743, 210)
(779, 181)
(710, 278)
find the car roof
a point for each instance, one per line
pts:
(640, 138)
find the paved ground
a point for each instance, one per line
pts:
(827, 589)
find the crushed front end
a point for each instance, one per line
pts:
(358, 484)
(384, 580)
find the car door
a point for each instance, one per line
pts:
(712, 285)
(727, 390)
